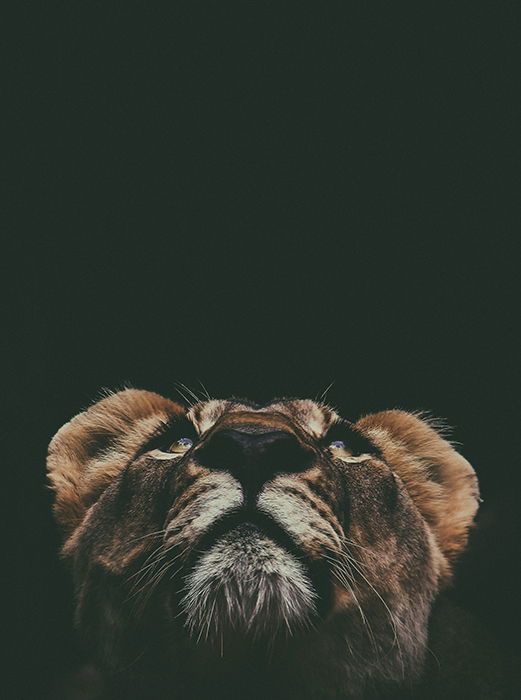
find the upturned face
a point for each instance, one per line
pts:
(234, 524)
(259, 508)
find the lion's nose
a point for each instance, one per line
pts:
(254, 458)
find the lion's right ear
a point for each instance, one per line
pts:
(90, 450)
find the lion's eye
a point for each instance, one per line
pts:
(337, 445)
(172, 439)
(181, 445)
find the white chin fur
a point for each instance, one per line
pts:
(247, 586)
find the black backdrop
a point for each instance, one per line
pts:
(266, 198)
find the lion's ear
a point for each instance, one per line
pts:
(441, 482)
(90, 450)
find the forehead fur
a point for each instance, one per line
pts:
(313, 417)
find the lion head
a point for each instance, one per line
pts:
(232, 541)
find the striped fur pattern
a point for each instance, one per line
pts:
(281, 538)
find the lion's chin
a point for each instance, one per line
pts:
(247, 587)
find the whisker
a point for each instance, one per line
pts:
(323, 395)
(346, 580)
(349, 561)
(190, 392)
(396, 641)
(157, 533)
(146, 564)
(205, 390)
(355, 544)
(188, 401)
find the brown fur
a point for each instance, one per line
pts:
(315, 577)
(93, 447)
(441, 482)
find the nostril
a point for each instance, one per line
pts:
(225, 450)
(282, 452)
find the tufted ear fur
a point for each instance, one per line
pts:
(90, 450)
(441, 482)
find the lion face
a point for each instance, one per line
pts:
(233, 526)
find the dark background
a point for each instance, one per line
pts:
(266, 197)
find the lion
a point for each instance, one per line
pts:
(230, 550)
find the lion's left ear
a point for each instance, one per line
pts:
(441, 482)
(89, 451)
